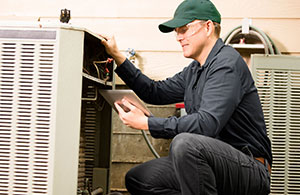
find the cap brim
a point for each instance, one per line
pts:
(170, 25)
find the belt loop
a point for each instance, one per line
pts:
(247, 151)
(267, 168)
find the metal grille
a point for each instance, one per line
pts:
(294, 141)
(279, 91)
(8, 54)
(26, 72)
(90, 134)
(87, 136)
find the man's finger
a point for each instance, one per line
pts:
(105, 37)
(128, 104)
(118, 107)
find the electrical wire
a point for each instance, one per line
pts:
(97, 69)
(149, 144)
(105, 71)
(85, 70)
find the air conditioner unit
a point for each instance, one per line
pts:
(277, 79)
(54, 127)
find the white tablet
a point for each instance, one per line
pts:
(112, 96)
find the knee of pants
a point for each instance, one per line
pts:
(180, 144)
(185, 143)
(128, 177)
(136, 176)
(130, 181)
(140, 179)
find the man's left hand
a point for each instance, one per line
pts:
(132, 116)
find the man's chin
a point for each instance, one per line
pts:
(186, 55)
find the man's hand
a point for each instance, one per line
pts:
(132, 116)
(112, 49)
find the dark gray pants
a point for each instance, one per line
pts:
(200, 165)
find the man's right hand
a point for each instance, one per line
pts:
(112, 49)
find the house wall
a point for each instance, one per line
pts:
(135, 24)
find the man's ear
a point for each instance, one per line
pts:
(209, 27)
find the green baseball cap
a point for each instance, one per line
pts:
(190, 10)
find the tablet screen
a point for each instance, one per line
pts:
(112, 96)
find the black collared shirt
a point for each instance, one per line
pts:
(220, 99)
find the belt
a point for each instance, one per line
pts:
(262, 160)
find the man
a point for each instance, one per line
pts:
(220, 146)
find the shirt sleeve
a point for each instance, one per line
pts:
(167, 91)
(222, 93)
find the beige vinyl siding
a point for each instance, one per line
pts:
(134, 24)
(146, 8)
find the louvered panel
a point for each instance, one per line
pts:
(43, 118)
(279, 126)
(278, 82)
(7, 77)
(273, 105)
(24, 124)
(25, 104)
(294, 142)
(264, 91)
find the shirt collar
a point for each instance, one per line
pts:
(215, 50)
